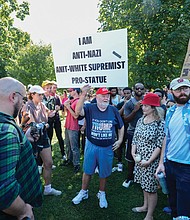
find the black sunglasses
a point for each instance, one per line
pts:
(141, 88)
(24, 98)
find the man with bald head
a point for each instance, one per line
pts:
(20, 186)
(132, 112)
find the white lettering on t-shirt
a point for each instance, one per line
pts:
(101, 129)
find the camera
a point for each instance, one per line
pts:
(37, 132)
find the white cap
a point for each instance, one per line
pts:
(36, 89)
(178, 82)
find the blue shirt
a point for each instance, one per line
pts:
(177, 129)
(100, 125)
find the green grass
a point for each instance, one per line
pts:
(120, 199)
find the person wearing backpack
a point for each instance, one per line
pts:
(20, 185)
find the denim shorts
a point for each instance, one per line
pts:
(96, 156)
(44, 141)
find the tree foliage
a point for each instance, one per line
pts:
(11, 38)
(33, 64)
(158, 34)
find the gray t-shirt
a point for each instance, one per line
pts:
(129, 107)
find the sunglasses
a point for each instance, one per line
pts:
(141, 88)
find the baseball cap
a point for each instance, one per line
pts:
(46, 82)
(102, 91)
(178, 82)
(151, 99)
(160, 91)
(36, 89)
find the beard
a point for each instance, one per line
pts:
(180, 100)
(138, 94)
(16, 110)
(113, 94)
(103, 105)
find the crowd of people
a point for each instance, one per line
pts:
(148, 129)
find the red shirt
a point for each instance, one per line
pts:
(71, 123)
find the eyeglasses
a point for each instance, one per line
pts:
(141, 88)
(24, 98)
(184, 88)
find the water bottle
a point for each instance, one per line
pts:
(162, 181)
(182, 218)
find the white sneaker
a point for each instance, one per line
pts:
(114, 169)
(40, 169)
(102, 200)
(53, 192)
(120, 167)
(127, 183)
(81, 195)
(64, 158)
(96, 170)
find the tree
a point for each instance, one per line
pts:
(33, 64)
(158, 34)
(11, 38)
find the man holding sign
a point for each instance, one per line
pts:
(101, 119)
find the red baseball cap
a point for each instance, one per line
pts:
(151, 99)
(102, 91)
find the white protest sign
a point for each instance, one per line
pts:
(98, 59)
(185, 73)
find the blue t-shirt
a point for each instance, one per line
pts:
(177, 134)
(100, 125)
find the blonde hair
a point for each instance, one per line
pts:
(159, 113)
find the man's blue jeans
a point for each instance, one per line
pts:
(72, 147)
(178, 182)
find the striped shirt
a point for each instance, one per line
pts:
(18, 169)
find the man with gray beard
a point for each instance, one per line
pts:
(101, 120)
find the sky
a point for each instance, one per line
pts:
(50, 20)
